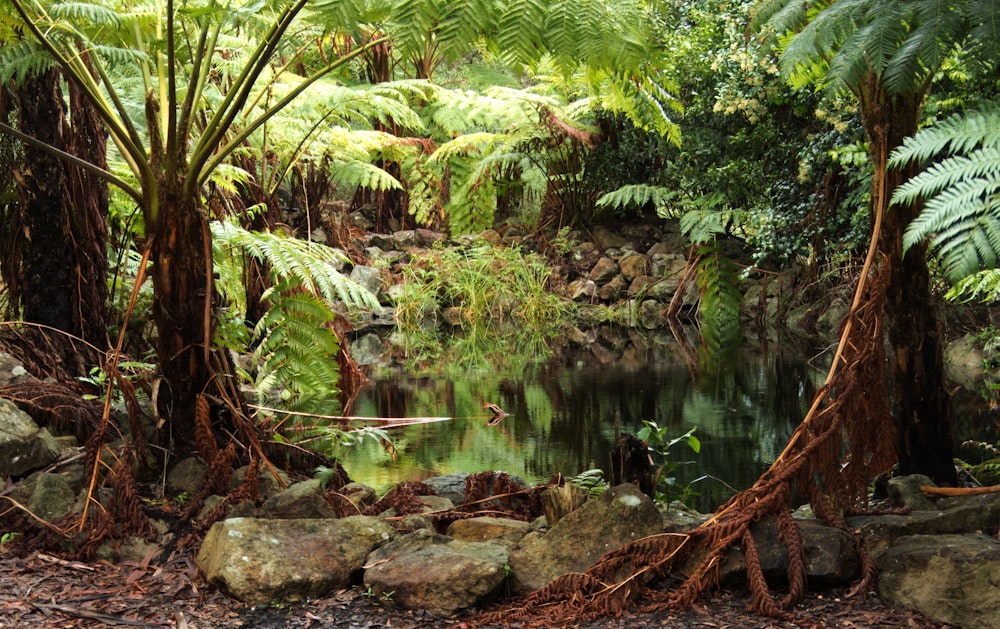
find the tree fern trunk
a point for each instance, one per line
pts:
(182, 282)
(916, 373)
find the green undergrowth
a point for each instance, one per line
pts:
(498, 303)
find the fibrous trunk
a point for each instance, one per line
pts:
(915, 364)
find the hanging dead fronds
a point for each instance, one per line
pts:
(203, 437)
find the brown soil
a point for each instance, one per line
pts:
(43, 591)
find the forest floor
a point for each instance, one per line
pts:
(43, 591)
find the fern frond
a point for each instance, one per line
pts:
(311, 264)
(636, 195)
(983, 286)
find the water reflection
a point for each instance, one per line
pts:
(564, 416)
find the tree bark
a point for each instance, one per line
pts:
(182, 291)
(920, 401)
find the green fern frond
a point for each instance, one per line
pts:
(312, 265)
(298, 348)
(961, 212)
(719, 306)
(983, 286)
(636, 195)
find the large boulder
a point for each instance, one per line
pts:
(949, 578)
(620, 515)
(288, 560)
(23, 445)
(425, 570)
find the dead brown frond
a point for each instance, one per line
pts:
(56, 406)
(203, 437)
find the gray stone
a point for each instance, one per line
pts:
(613, 290)
(620, 515)
(904, 491)
(368, 277)
(950, 578)
(650, 314)
(303, 500)
(367, 350)
(259, 560)
(830, 556)
(52, 498)
(267, 483)
(23, 445)
(12, 370)
(963, 362)
(185, 477)
(424, 570)
(606, 239)
(451, 486)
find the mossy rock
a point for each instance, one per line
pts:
(987, 472)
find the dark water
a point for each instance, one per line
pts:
(564, 416)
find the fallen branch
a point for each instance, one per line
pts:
(932, 491)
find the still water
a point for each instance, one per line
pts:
(564, 415)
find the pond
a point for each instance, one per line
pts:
(564, 415)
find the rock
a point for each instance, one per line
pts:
(634, 265)
(641, 285)
(613, 290)
(484, 529)
(830, 555)
(359, 494)
(621, 515)
(582, 289)
(427, 237)
(424, 570)
(963, 362)
(52, 498)
(11, 370)
(288, 560)
(303, 500)
(605, 239)
(367, 350)
(451, 486)
(369, 277)
(185, 477)
(650, 314)
(904, 491)
(950, 578)
(603, 270)
(267, 483)
(23, 445)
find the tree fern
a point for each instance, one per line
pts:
(636, 196)
(297, 352)
(310, 265)
(961, 214)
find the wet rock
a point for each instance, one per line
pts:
(368, 349)
(256, 559)
(904, 491)
(424, 570)
(451, 486)
(621, 515)
(23, 445)
(830, 555)
(650, 314)
(369, 277)
(950, 578)
(303, 500)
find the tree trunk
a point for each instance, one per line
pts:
(916, 372)
(56, 260)
(182, 291)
